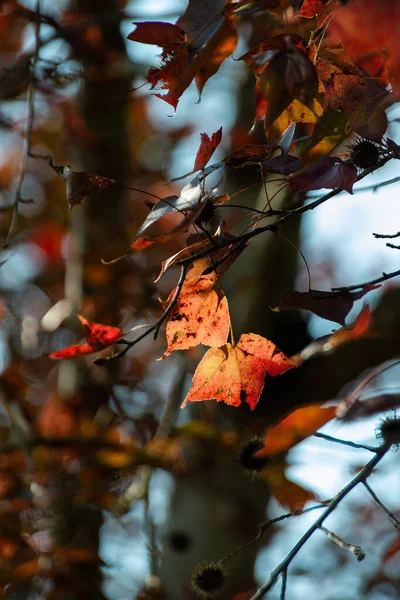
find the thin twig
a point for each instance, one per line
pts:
(103, 360)
(394, 246)
(23, 165)
(383, 277)
(356, 550)
(283, 218)
(394, 521)
(330, 438)
(386, 236)
(359, 478)
(376, 186)
(266, 524)
(284, 582)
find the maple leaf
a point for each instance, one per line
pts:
(80, 184)
(98, 337)
(200, 314)
(235, 374)
(193, 48)
(206, 149)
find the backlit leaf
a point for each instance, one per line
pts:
(235, 374)
(201, 314)
(206, 149)
(98, 336)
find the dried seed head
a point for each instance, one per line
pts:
(208, 579)
(389, 430)
(246, 456)
(209, 215)
(364, 154)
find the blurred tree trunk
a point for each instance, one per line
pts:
(103, 102)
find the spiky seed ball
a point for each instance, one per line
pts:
(208, 215)
(389, 430)
(364, 154)
(208, 579)
(246, 456)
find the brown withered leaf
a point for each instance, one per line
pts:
(333, 306)
(80, 184)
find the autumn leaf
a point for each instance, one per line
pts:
(287, 74)
(98, 337)
(368, 27)
(235, 374)
(166, 35)
(299, 425)
(81, 184)
(327, 172)
(206, 149)
(208, 37)
(200, 314)
(333, 306)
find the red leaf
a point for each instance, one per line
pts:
(327, 172)
(310, 8)
(367, 26)
(206, 149)
(200, 315)
(235, 374)
(98, 337)
(166, 35)
(210, 42)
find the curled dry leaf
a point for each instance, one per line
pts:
(98, 337)
(80, 184)
(200, 314)
(235, 374)
(206, 149)
(333, 306)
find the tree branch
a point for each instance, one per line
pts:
(28, 129)
(360, 478)
(156, 327)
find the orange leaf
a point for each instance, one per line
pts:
(234, 374)
(297, 426)
(98, 337)
(360, 327)
(200, 315)
(206, 149)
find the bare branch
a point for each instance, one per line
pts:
(28, 129)
(359, 478)
(156, 327)
(383, 277)
(330, 438)
(394, 521)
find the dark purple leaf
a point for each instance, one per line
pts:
(333, 306)
(327, 172)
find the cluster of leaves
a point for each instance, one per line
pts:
(300, 79)
(317, 84)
